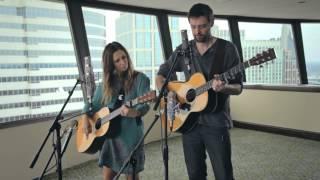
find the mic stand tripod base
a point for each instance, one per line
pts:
(57, 147)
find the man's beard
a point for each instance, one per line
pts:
(203, 38)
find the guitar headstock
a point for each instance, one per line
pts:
(265, 56)
(148, 97)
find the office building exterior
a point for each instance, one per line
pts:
(38, 65)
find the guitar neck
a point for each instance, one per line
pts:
(117, 112)
(112, 115)
(230, 74)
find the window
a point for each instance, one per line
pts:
(143, 40)
(27, 56)
(258, 37)
(144, 58)
(137, 32)
(311, 34)
(176, 24)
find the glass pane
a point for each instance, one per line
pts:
(37, 60)
(137, 32)
(177, 23)
(310, 35)
(257, 37)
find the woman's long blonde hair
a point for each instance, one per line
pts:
(109, 75)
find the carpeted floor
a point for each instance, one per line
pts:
(256, 156)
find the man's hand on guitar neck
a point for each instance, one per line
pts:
(217, 84)
(222, 86)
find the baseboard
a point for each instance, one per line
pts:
(278, 130)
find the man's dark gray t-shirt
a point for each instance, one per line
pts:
(220, 119)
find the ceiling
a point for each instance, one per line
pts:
(288, 9)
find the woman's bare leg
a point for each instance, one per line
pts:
(129, 177)
(108, 173)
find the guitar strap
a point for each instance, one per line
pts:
(217, 67)
(115, 126)
(120, 98)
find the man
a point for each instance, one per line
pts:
(211, 56)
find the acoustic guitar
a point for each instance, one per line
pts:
(99, 125)
(192, 96)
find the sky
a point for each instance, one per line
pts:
(311, 37)
(111, 17)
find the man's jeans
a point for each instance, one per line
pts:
(217, 143)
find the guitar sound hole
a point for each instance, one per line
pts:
(191, 95)
(98, 124)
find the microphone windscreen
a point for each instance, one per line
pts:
(184, 38)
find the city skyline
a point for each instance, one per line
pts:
(38, 65)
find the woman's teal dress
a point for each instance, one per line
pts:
(116, 149)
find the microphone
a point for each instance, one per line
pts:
(89, 82)
(171, 108)
(186, 51)
(185, 41)
(68, 133)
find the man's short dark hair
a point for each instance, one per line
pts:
(200, 9)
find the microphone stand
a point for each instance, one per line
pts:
(67, 140)
(56, 126)
(164, 93)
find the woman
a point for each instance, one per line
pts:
(121, 79)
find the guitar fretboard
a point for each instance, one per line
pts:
(117, 112)
(230, 74)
